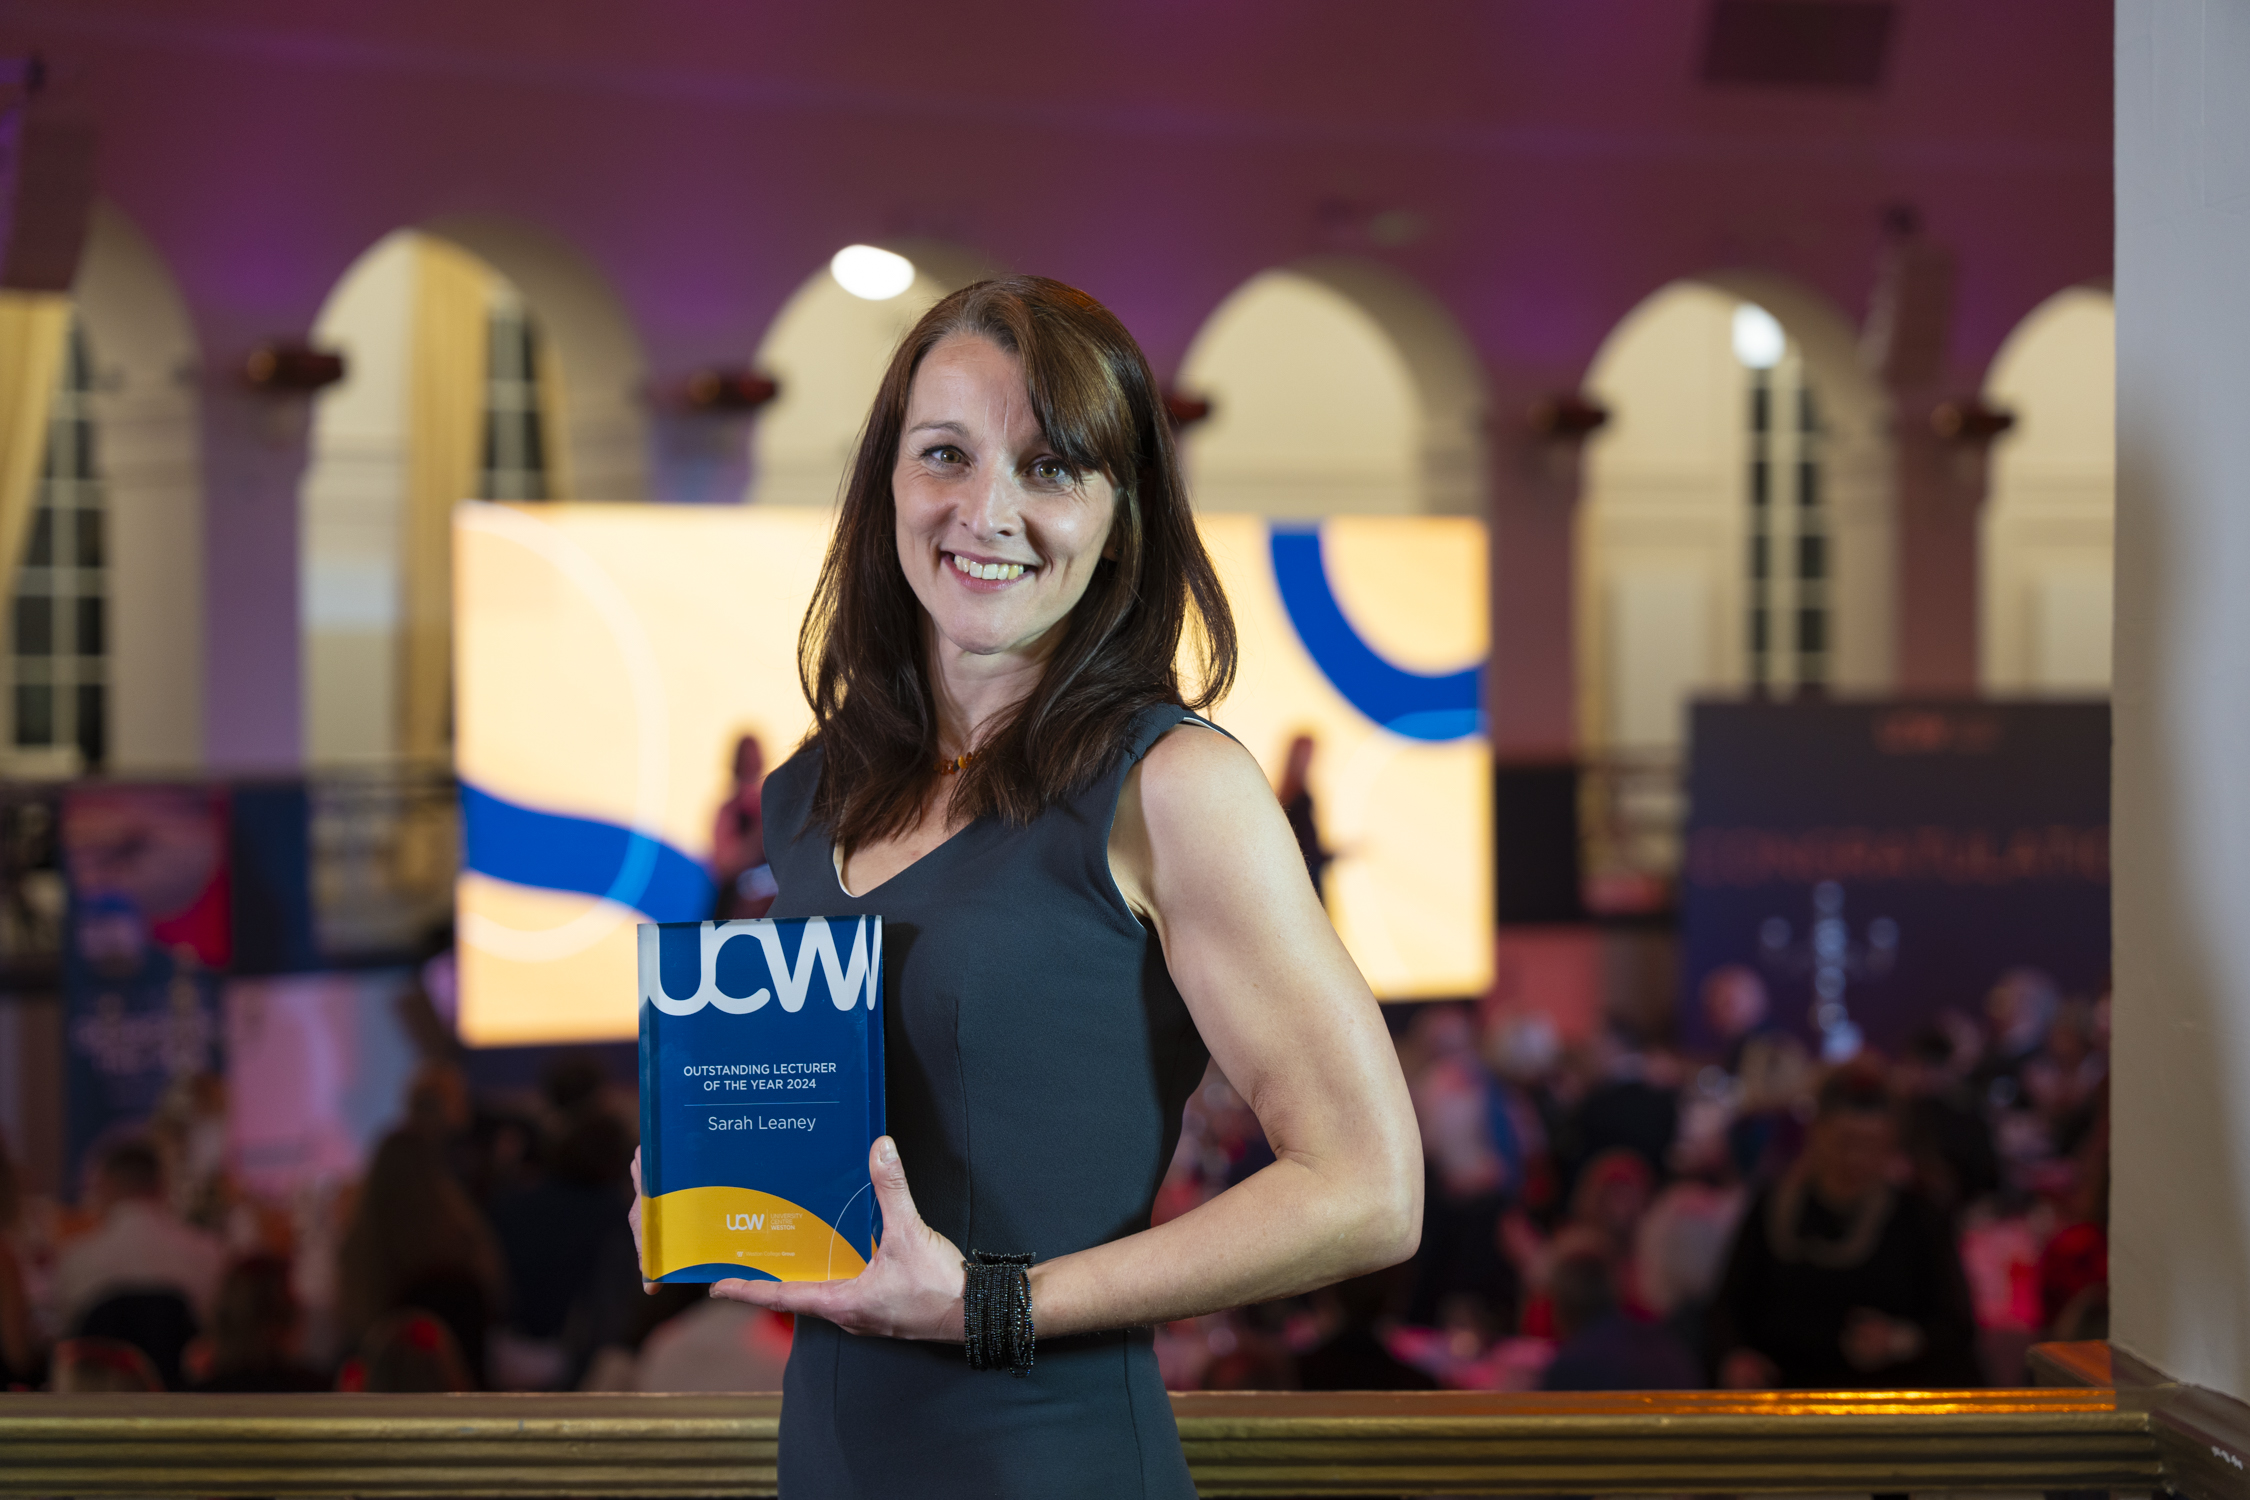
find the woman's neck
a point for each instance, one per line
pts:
(973, 692)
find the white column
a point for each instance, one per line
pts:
(2180, 1208)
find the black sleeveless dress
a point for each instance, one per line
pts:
(1038, 1057)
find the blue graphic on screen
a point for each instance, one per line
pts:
(1446, 707)
(559, 852)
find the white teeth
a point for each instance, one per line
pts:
(987, 570)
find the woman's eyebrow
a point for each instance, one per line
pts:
(945, 426)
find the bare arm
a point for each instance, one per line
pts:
(1202, 853)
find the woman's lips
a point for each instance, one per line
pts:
(986, 575)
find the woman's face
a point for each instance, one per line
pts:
(997, 536)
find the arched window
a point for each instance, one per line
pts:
(1786, 619)
(448, 395)
(2046, 559)
(58, 618)
(1735, 533)
(515, 449)
(1336, 388)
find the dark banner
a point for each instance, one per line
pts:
(1871, 865)
(150, 927)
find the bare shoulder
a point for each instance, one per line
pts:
(1196, 821)
(1195, 770)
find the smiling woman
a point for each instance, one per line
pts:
(1017, 418)
(1093, 893)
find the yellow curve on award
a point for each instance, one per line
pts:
(736, 1226)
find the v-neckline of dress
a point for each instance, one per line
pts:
(836, 863)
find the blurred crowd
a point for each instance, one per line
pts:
(1604, 1212)
(484, 1246)
(1618, 1212)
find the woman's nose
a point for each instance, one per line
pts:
(991, 509)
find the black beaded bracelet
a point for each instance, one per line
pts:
(996, 1327)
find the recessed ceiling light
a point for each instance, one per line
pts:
(865, 271)
(1758, 339)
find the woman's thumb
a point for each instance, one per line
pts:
(888, 1174)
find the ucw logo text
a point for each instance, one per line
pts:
(740, 966)
(746, 1221)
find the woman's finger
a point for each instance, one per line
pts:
(823, 1299)
(633, 1217)
(888, 1174)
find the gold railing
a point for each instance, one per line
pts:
(1272, 1444)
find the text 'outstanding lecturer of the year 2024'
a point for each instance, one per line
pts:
(1088, 892)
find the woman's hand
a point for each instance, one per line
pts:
(633, 1217)
(910, 1290)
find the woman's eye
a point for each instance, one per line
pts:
(943, 453)
(1051, 471)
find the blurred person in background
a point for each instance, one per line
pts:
(1735, 1008)
(1760, 1069)
(1471, 1161)
(143, 1274)
(741, 880)
(2019, 1009)
(2064, 1079)
(1295, 794)
(19, 1339)
(1352, 1355)
(256, 1343)
(407, 1353)
(1604, 1344)
(552, 1229)
(1680, 1246)
(714, 1345)
(1947, 1142)
(189, 1132)
(1633, 1102)
(2074, 1263)
(1606, 1207)
(101, 1366)
(1839, 1279)
(416, 1240)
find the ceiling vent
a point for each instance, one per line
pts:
(1812, 44)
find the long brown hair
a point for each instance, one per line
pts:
(861, 655)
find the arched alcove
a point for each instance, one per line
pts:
(105, 662)
(1336, 388)
(1688, 583)
(483, 360)
(597, 368)
(2046, 558)
(828, 349)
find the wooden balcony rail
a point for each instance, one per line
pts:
(1272, 1444)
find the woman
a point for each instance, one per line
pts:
(1084, 888)
(416, 1240)
(741, 881)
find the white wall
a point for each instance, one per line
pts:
(146, 444)
(2044, 595)
(354, 512)
(2180, 1205)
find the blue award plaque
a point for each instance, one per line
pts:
(761, 1094)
